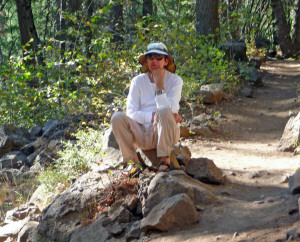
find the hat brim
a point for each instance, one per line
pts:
(171, 67)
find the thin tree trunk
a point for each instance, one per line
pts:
(147, 7)
(296, 36)
(207, 17)
(283, 32)
(116, 17)
(27, 28)
(88, 35)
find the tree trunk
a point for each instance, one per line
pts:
(0, 57)
(232, 19)
(283, 32)
(116, 21)
(207, 17)
(88, 35)
(296, 36)
(27, 29)
(147, 7)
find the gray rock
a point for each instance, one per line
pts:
(50, 127)
(10, 175)
(184, 131)
(31, 158)
(116, 229)
(109, 140)
(294, 183)
(58, 135)
(172, 213)
(111, 158)
(36, 131)
(235, 50)
(247, 92)
(253, 76)
(21, 212)
(134, 231)
(92, 232)
(29, 232)
(10, 231)
(12, 139)
(119, 213)
(38, 197)
(14, 159)
(28, 149)
(291, 134)
(45, 157)
(182, 153)
(150, 159)
(165, 185)
(205, 171)
(202, 118)
(202, 130)
(64, 215)
(293, 235)
(297, 151)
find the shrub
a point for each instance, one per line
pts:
(75, 160)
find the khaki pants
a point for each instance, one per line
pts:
(162, 135)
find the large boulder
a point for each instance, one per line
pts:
(253, 76)
(210, 93)
(14, 159)
(150, 159)
(235, 50)
(165, 185)
(291, 135)
(172, 213)
(12, 138)
(96, 231)
(65, 214)
(205, 171)
(16, 220)
(294, 183)
(50, 127)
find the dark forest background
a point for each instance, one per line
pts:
(60, 58)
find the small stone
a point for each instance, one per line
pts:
(215, 148)
(225, 192)
(236, 234)
(259, 202)
(117, 229)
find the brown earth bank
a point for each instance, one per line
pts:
(255, 203)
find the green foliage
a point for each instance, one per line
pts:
(198, 59)
(88, 71)
(75, 159)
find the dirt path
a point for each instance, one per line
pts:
(254, 204)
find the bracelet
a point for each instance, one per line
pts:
(159, 92)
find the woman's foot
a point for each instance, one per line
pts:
(164, 165)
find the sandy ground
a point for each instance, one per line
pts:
(255, 203)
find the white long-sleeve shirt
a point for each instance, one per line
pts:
(142, 101)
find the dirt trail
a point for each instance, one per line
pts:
(254, 204)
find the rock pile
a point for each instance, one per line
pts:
(100, 206)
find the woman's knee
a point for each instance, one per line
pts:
(117, 117)
(165, 114)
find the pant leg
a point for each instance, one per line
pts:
(168, 132)
(128, 134)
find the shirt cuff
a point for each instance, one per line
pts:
(162, 101)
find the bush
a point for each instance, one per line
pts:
(75, 160)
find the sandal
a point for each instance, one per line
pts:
(163, 163)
